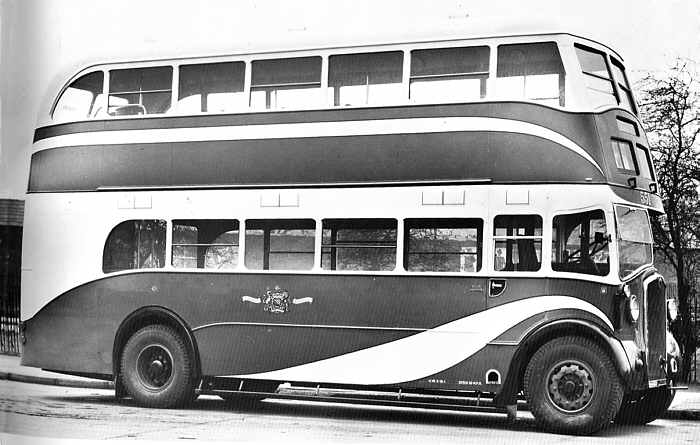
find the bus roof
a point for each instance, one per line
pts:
(506, 30)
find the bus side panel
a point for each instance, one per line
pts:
(234, 331)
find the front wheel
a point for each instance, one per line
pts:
(572, 386)
(156, 368)
(647, 408)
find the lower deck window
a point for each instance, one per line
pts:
(205, 244)
(517, 243)
(580, 243)
(280, 244)
(359, 244)
(443, 245)
(135, 244)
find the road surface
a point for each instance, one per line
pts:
(59, 412)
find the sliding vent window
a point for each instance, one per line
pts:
(517, 243)
(82, 99)
(597, 77)
(644, 161)
(531, 71)
(626, 99)
(286, 83)
(359, 244)
(212, 87)
(205, 244)
(443, 245)
(283, 244)
(140, 91)
(449, 74)
(135, 244)
(366, 79)
(624, 159)
(580, 243)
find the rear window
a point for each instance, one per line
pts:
(135, 244)
(83, 99)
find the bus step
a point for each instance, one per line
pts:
(459, 403)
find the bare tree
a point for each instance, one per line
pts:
(670, 107)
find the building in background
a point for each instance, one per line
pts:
(11, 215)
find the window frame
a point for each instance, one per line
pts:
(623, 84)
(173, 244)
(606, 60)
(91, 112)
(610, 245)
(269, 224)
(482, 76)
(562, 82)
(172, 90)
(164, 240)
(495, 238)
(338, 223)
(204, 99)
(633, 154)
(270, 88)
(332, 103)
(444, 223)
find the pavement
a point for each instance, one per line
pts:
(685, 406)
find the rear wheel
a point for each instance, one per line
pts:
(156, 368)
(572, 386)
(647, 408)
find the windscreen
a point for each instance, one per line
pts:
(635, 241)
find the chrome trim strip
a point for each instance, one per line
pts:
(296, 325)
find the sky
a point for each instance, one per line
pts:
(42, 42)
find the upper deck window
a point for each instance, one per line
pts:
(449, 74)
(624, 158)
(626, 99)
(286, 83)
(82, 99)
(366, 79)
(644, 161)
(597, 77)
(211, 87)
(531, 71)
(140, 90)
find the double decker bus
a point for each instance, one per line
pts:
(461, 222)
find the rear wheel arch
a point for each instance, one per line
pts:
(154, 315)
(560, 328)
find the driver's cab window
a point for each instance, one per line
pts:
(580, 243)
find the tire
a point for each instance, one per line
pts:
(647, 408)
(572, 386)
(156, 368)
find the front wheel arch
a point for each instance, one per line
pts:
(513, 383)
(151, 315)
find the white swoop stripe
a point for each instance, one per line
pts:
(426, 353)
(313, 129)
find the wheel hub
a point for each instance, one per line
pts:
(154, 366)
(570, 386)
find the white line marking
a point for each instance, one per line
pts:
(314, 129)
(429, 352)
